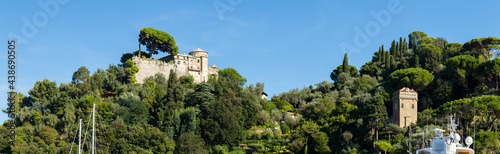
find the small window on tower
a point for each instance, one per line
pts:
(412, 106)
(402, 105)
(198, 61)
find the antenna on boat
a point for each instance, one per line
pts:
(93, 128)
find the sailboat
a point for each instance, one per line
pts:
(80, 133)
(448, 144)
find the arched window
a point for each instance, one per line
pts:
(402, 105)
(412, 106)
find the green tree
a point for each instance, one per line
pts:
(487, 142)
(312, 138)
(4, 140)
(490, 69)
(82, 79)
(415, 37)
(388, 61)
(345, 64)
(282, 104)
(392, 50)
(202, 94)
(376, 116)
(276, 115)
(190, 143)
(393, 64)
(347, 135)
(466, 109)
(128, 56)
(263, 116)
(133, 110)
(382, 54)
(451, 50)
(417, 61)
(369, 69)
(175, 94)
(482, 47)
(81, 76)
(463, 68)
(292, 120)
(43, 97)
(48, 134)
(232, 75)
(415, 78)
(336, 72)
(187, 81)
(184, 121)
(383, 145)
(431, 57)
(131, 69)
(219, 123)
(156, 40)
(401, 46)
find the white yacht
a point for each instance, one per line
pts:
(448, 144)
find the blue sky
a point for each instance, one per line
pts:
(283, 44)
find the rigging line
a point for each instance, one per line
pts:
(73, 140)
(104, 132)
(86, 130)
(474, 120)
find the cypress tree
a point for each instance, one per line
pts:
(393, 47)
(405, 47)
(383, 55)
(388, 61)
(379, 55)
(398, 51)
(401, 45)
(393, 63)
(417, 63)
(345, 64)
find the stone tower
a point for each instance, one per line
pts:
(404, 103)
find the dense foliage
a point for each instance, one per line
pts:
(171, 114)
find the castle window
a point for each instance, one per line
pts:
(412, 106)
(178, 62)
(198, 61)
(402, 105)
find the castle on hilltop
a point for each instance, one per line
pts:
(194, 64)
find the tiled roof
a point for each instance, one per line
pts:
(405, 89)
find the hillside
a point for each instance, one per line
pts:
(171, 114)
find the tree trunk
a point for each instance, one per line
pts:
(142, 39)
(151, 50)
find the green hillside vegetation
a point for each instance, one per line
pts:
(227, 115)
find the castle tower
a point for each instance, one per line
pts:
(404, 103)
(200, 64)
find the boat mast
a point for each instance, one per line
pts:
(80, 138)
(93, 128)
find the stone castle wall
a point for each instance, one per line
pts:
(195, 64)
(149, 67)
